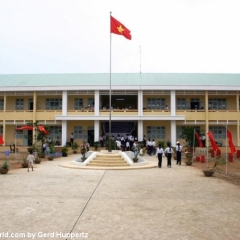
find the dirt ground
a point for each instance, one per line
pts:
(229, 172)
(232, 168)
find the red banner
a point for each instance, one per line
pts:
(213, 143)
(230, 142)
(200, 144)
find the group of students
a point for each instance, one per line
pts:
(169, 153)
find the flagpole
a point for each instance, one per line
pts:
(110, 92)
(226, 149)
(193, 143)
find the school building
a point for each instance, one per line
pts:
(153, 104)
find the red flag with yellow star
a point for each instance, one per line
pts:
(230, 142)
(118, 28)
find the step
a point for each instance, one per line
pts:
(108, 164)
(111, 162)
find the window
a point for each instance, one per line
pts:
(53, 103)
(156, 132)
(1, 130)
(1, 104)
(78, 103)
(217, 103)
(156, 103)
(19, 134)
(79, 133)
(55, 131)
(90, 102)
(218, 132)
(19, 104)
(181, 103)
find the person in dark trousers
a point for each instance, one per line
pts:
(159, 154)
(71, 139)
(169, 151)
(179, 153)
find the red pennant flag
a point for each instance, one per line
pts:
(213, 143)
(1, 140)
(118, 28)
(230, 142)
(199, 140)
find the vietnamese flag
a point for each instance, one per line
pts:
(199, 140)
(230, 142)
(1, 140)
(118, 28)
(213, 143)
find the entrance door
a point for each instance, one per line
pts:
(91, 137)
(195, 104)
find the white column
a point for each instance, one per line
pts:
(140, 130)
(173, 133)
(140, 103)
(64, 132)
(96, 103)
(64, 102)
(173, 103)
(96, 130)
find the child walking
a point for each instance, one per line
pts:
(30, 160)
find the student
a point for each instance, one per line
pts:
(71, 139)
(159, 154)
(179, 153)
(169, 151)
(30, 160)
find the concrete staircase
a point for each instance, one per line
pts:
(108, 160)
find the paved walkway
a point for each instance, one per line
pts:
(167, 203)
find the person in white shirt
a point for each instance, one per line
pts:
(30, 160)
(169, 151)
(127, 146)
(179, 153)
(159, 154)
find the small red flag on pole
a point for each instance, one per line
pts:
(118, 28)
(213, 143)
(230, 142)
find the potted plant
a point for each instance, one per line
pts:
(96, 145)
(52, 151)
(64, 151)
(37, 160)
(5, 167)
(83, 151)
(75, 147)
(24, 162)
(189, 157)
(208, 172)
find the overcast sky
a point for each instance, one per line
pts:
(73, 36)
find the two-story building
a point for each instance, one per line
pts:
(153, 104)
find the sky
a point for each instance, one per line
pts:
(73, 36)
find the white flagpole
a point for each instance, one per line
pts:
(110, 91)
(193, 143)
(226, 149)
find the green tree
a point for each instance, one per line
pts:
(188, 135)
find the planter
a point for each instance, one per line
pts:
(4, 170)
(135, 160)
(64, 154)
(24, 165)
(50, 158)
(41, 155)
(74, 152)
(208, 172)
(188, 163)
(37, 161)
